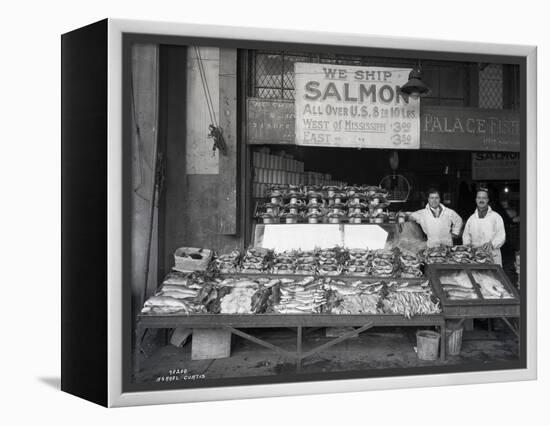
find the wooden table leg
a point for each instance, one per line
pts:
(137, 349)
(443, 350)
(515, 329)
(298, 348)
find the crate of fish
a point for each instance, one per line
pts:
(474, 290)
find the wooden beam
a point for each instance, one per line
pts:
(333, 342)
(261, 342)
(227, 188)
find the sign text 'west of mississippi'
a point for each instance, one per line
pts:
(350, 106)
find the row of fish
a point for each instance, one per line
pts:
(457, 254)
(181, 294)
(327, 262)
(397, 298)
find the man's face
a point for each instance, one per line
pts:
(433, 200)
(482, 199)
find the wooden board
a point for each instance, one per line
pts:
(341, 277)
(441, 127)
(227, 188)
(191, 203)
(354, 106)
(210, 343)
(495, 166)
(470, 129)
(270, 121)
(208, 321)
(199, 157)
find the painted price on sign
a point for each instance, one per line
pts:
(349, 106)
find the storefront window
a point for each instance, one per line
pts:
(273, 75)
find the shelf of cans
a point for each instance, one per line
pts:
(283, 169)
(326, 204)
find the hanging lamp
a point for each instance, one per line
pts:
(415, 87)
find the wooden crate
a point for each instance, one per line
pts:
(210, 343)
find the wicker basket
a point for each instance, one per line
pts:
(454, 339)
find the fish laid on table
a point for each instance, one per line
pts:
(459, 278)
(461, 294)
(304, 296)
(490, 287)
(178, 294)
(360, 303)
(410, 304)
(177, 278)
(238, 301)
(167, 304)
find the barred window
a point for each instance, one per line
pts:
(490, 86)
(273, 74)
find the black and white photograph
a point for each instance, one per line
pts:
(299, 212)
(314, 212)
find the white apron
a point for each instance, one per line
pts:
(490, 229)
(438, 229)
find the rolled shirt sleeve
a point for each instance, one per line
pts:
(417, 216)
(456, 222)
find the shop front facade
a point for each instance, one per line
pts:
(312, 122)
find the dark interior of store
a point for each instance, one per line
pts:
(448, 171)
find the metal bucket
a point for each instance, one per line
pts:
(427, 344)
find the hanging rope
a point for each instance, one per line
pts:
(215, 131)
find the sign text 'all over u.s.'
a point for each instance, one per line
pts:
(352, 106)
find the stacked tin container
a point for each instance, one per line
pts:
(282, 169)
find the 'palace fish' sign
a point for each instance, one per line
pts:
(362, 107)
(470, 129)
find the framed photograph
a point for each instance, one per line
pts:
(251, 213)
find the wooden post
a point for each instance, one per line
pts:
(144, 116)
(299, 348)
(227, 189)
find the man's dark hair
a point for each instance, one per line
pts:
(434, 191)
(483, 189)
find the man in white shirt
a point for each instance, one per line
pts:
(485, 228)
(439, 223)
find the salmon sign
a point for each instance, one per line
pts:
(350, 106)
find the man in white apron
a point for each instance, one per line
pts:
(439, 223)
(485, 227)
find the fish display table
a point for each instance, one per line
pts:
(475, 291)
(234, 323)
